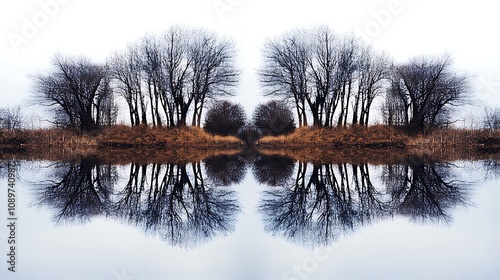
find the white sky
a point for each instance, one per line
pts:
(33, 31)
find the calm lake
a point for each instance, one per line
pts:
(252, 216)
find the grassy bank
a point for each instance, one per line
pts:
(193, 144)
(380, 137)
(116, 137)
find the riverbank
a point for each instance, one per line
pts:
(372, 144)
(117, 144)
(380, 137)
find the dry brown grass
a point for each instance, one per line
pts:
(118, 143)
(372, 137)
(189, 137)
(381, 144)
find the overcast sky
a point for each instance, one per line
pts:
(34, 30)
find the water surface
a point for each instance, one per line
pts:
(254, 216)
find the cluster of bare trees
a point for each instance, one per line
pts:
(167, 76)
(336, 78)
(173, 201)
(167, 79)
(164, 79)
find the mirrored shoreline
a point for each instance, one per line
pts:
(186, 203)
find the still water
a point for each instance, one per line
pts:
(253, 216)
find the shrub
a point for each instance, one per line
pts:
(225, 118)
(274, 118)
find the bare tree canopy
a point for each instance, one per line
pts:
(79, 91)
(324, 74)
(491, 118)
(424, 91)
(167, 76)
(11, 118)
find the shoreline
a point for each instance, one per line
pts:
(358, 144)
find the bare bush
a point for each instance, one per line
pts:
(225, 118)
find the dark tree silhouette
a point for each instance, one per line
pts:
(181, 69)
(324, 75)
(423, 190)
(426, 89)
(169, 200)
(273, 118)
(79, 92)
(225, 170)
(175, 202)
(321, 202)
(225, 118)
(324, 201)
(127, 72)
(79, 191)
(272, 170)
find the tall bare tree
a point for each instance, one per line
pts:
(126, 70)
(77, 89)
(372, 74)
(428, 89)
(285, 70)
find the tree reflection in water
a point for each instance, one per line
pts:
(272, 170)
(307, 203)
(79, 190)
(171, 200)
(323, 201)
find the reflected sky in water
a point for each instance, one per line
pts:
(251, 216)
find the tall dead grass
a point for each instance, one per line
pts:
(374, 136)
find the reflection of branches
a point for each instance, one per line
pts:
(272, 170)
(80, 190)
(225, 170)
(318, 205)
(175, 202)
(323, 201)
(166, 199)
(424, 191)
(492, 168)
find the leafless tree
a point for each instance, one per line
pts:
(285, 70)
(176, 203)
(11, 118)
(372, 74)
(424, 190)
(491, 119)
(183, 69)
(77, 89)
(427, 89)
(126, 70)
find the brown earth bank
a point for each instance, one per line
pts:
(381, 137)
(375, 144)
(118, 137)
(119, 144)
(381, 145)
